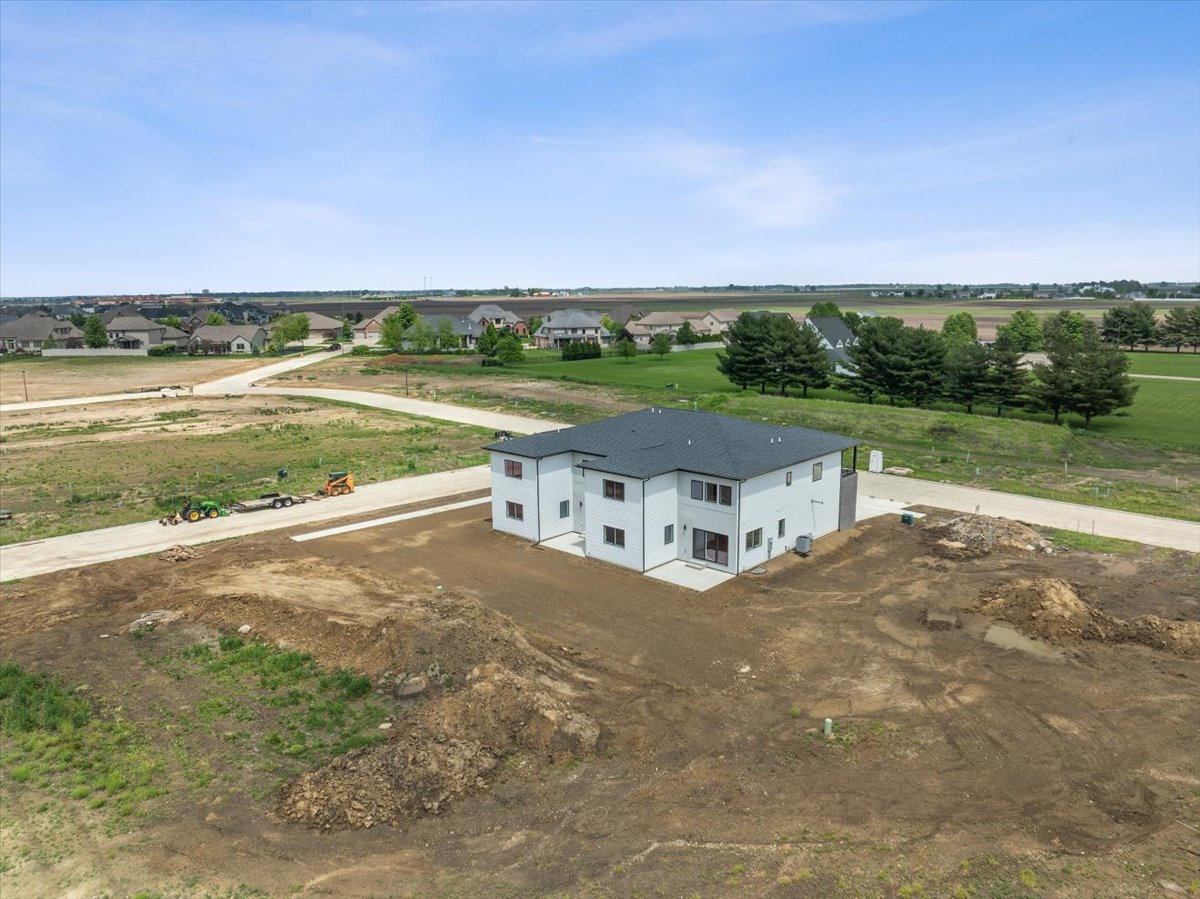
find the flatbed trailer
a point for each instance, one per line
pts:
(269, 501)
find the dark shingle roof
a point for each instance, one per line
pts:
(655, 441)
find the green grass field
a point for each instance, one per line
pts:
(1180, 365)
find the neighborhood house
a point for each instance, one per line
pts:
(222, 339)
(650, 487)
(564, 326)
(29, 333)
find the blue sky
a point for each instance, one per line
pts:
(258, 146)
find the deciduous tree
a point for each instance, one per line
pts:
(959, 328)
(627, 349)
(661, 344)
(215, 319)
(489, 340)
(95, 334)
(1022, 330)
(509, 349)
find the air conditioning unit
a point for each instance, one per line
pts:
(804, 544)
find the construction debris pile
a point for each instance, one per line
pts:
(1051, 609)
(972, 536)
(178, 554)
(444, 750)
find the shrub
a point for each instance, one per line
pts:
(162, 349)
(581, 350)
(361, 350)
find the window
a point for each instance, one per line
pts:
(710, 492)
(515, 511)
(697, 490)
(512, 469)
(710, 547)
(782, 526)
(614, 536)
(754, 539)
(668, 534)
(726, 495)
(564, 508)
(614, 490)
(789, 479)
(817, 470)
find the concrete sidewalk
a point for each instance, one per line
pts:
(1169, 532)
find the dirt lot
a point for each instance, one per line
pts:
(58, 378)
(964, 760)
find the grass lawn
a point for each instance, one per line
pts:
(1164, 413)
(58, 481)
(1184, 364)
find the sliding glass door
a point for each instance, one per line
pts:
(710, 547)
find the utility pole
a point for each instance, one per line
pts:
(25, 384)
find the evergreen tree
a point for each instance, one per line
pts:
(1101, 383)
(1022, 330)
(872, 361)
(917, 365)
(488, 340)
(1193, 338)
(1007, 380)
(1175, 328)
(534, 322)
(1131, 325)
(965, 375)
(806, 364)
(744, 361)
(661, 344)
(853, 321)
(1144, 326)
(686, 335)
(959, 328)
(1054, 381)
(95, 334)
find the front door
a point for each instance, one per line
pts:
(708, 546)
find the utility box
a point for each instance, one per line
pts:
(804, 544)
(876, 462)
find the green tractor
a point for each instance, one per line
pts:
(194, 510)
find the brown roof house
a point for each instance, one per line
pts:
(134, 332)
(221, 339)
(29, 333)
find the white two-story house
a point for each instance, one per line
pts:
(649, 487)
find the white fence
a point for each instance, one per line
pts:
(97, 351)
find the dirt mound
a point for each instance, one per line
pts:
(971, 536)
(178, 553)
(1051, 609)
(445, 750)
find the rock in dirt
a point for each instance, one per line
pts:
(971, 536)
(941, 620)
(178, 554)
(409, 687)
(444, 750)
(148, 621)
(1051, 609)
(245, 629)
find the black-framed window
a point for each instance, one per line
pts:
(710, 492)
(668, 534)
(817, 470)
(754, 539)
(782, 526)
(614, 536)
(708, 546)
(614, 490)
(515, 511)
(788, 482)
(698, 490)
(564, 508)
(726, 495)
(512, 468)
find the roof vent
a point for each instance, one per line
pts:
(689, 441)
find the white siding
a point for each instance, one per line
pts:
(662, 509)
(767, 498)
(554, 487)
(626, 516)
(523, 491)
(695, 513)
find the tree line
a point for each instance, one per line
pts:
(1133, 325)
(892, 361)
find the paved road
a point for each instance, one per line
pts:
(1047, 512)
(21, 560)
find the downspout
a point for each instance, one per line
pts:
(537, 493)
(643, 524)
(737, 568)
